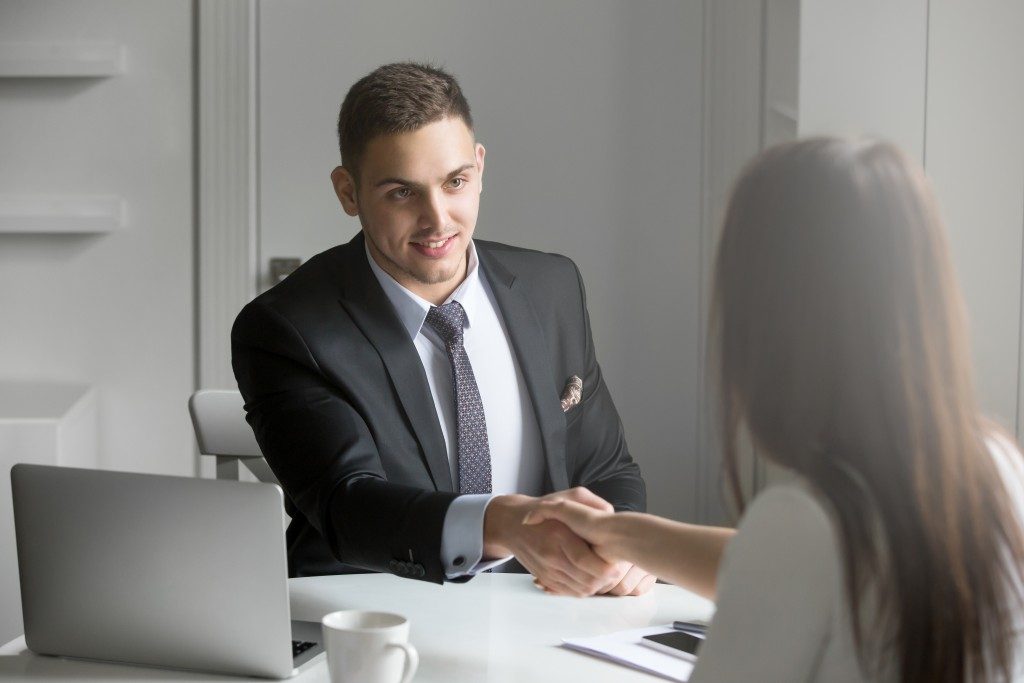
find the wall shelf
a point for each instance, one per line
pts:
(61, 60)
(51, 214)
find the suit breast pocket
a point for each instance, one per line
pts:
(572, 416)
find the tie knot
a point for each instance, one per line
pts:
(448, 320)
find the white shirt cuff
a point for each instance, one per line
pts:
(462, 537)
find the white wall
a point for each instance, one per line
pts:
(591, 114)
(943, 80)
(862, 69)
(974, 156)
(112, 311)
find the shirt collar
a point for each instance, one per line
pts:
(412, 309)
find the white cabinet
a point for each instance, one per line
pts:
(43, 424)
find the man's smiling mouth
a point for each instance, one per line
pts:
(435, 244)
(434, 248)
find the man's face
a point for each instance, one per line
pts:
(417, 199)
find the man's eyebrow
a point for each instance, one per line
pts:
(460, 169)
(395, 180)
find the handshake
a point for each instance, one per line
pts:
(561, 560)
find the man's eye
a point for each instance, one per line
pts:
(456, 183)
(402, 193)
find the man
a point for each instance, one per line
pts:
(418, 392)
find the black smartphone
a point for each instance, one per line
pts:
(677, 643)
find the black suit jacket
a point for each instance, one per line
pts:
(338, 399)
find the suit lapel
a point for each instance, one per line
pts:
(533, 355)
(370, 309)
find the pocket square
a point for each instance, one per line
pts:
(572, 393)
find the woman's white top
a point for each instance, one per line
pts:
(782, 613)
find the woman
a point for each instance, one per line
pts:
(896, 554)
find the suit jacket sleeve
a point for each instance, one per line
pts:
(598, 456)
(324, 455)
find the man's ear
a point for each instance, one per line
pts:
(345, 188)
(480, 153)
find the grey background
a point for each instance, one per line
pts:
(591, 115)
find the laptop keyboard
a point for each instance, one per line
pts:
(300, 646)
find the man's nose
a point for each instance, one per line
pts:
(435, 212)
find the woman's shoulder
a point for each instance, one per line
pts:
(778, 591)
(787, 524)
(791, 506)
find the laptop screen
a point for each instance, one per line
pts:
(156, 570)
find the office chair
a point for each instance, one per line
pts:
(218, 417)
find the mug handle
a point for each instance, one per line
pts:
(412, 660)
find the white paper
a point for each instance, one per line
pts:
(624, 647)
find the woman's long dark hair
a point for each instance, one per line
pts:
(844, 354)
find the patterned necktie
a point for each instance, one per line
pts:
(474, 453)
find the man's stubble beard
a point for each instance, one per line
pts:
(424, 279)
(438, 278)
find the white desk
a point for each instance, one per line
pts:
(497, 627)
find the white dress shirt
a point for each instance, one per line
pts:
(517, 463)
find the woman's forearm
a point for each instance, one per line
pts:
(687, 555)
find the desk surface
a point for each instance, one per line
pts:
(497, 627)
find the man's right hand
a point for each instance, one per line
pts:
(558, 559)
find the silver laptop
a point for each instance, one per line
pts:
(154, 570)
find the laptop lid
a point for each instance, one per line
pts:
(155, 570)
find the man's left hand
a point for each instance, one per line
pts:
(634, 581)
(631, 580)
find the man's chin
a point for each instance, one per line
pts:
(437, 272)
(435, 277)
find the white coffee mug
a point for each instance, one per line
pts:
(368, 647)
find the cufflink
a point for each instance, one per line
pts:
(572, 393)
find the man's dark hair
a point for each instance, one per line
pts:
(396, 98)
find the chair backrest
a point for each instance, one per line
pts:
(218, 416)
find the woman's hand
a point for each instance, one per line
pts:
(687, 555)
(597, 526)
(586, 521)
